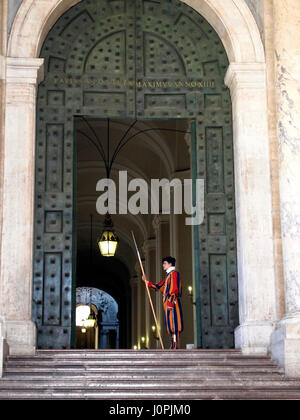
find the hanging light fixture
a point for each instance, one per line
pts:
(90, 322)
(109, 241)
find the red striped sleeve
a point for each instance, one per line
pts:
(174, 284)
(156, 286)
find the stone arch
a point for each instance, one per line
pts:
(246, 78)
(107, 306)
(102, 300)
(232, 20)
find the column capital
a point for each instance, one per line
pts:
(24, 70)
(246, 76)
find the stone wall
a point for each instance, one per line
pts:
(268, 18)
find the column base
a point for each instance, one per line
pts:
(285, 345)
(21, 337)
(254, 337)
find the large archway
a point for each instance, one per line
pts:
(134, 60)
(246, 79)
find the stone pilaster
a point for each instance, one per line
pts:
(22, 78)
(257, 297)
(3, 44)
(286, 338)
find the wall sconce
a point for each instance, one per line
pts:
(191, 294)
(134, 347)
(153, 328)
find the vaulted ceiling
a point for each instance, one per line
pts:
(158, 152)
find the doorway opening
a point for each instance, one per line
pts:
(136, 153)
(97, 323)
(177, 71)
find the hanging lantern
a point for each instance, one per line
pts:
(109, 241)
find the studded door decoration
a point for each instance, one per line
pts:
(136, 59)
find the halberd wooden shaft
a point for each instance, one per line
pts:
(150, 300)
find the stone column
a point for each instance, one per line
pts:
(22, 78)
(3, 43)
(286, 338)
(257, 294)
(150, 270)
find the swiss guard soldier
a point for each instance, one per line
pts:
(171, 289)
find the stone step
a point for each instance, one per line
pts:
(230, 378)
(138, 363)
(188, 377)
(160, 368)
(168, 394)
(145, 374)
(132, 360)
(146, 353)
(122, 359)
(132, 351)
(153, 384)
(185, 374)
(25, 382)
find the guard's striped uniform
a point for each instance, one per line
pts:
(171, 289)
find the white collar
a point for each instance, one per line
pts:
(170, 269)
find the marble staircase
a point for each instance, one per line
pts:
(145, 375)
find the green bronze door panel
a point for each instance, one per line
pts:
(87, 53)
(133, 59)
(180, 69)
